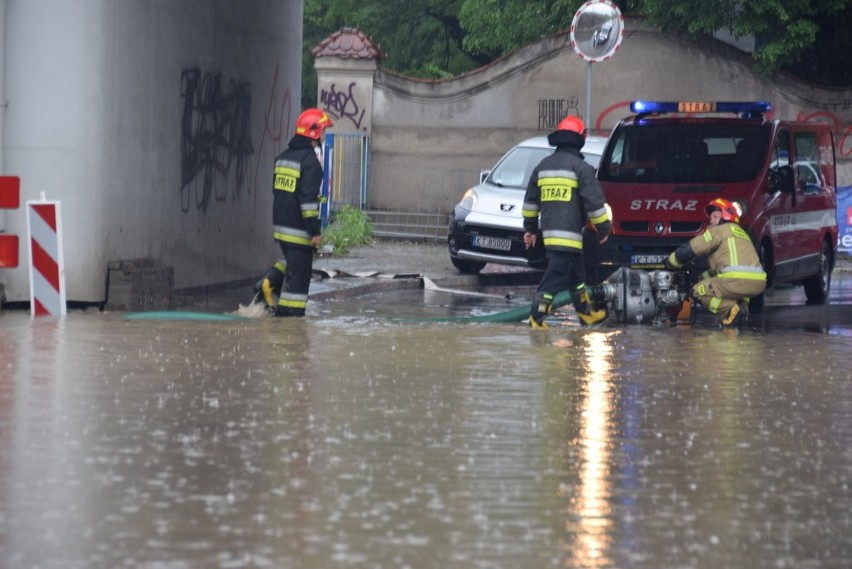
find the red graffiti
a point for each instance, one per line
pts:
(276, 124)
(602, 118)
(841, 132)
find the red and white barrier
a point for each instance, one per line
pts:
(47, 267)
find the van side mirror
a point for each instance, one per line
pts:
(483, 174)
(781, 180)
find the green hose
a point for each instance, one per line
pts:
(181, 315)
(519, 314)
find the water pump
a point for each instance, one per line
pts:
(636, 296)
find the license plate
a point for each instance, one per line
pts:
(497, 243)
(647, 260)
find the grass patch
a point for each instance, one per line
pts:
(349, 227)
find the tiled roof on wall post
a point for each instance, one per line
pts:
(348, 43)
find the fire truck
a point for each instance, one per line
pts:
(666, 161)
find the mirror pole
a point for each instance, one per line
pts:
(588, 117)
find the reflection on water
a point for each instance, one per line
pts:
(589, 515)
(347, 440)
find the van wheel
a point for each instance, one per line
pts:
(817, 286)
(467, 267)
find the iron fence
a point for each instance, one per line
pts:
(402, 197)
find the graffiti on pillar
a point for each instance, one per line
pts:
(342, 104)
(215, 139)
(551, 111)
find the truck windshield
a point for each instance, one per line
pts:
(685, 153)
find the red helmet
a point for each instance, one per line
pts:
(573, 123)
(730, 212)
(312, 122)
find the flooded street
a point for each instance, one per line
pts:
(358, 439)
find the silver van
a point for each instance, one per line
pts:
(486, 225)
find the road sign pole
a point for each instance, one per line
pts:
(588, 117)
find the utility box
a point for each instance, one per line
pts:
(139, 284)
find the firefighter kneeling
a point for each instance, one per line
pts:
(735, 273)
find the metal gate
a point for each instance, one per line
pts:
(347, 179)
(345, 183)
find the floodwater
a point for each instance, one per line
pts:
(354, 439)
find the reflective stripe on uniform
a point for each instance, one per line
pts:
(673, 260)
(287, 174)
(567, 243)
(290, 300)
(599, 216)
(713, 306)
(529, 210)
(567, 239)
(562, 235)
(732, 251)
(556, 185)
(310, 210)
(291, 235)
(746, 273)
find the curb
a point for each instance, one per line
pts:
(348, 289)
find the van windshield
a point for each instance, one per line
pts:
(515, 169)
(685, 153)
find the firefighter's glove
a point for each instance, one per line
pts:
(672, 263)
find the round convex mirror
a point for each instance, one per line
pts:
(597, 30)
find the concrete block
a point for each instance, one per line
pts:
(139, 284)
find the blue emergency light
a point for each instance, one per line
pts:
(744, 108)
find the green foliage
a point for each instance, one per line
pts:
(785, 30)
(349, 227)
(499, 26)
(421, 38)
(436, 39)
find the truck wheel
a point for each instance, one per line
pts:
(817, 286)
(467, 267)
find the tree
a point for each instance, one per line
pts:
(786, 31)
(497, 27)
(444, 38)
(421, 38)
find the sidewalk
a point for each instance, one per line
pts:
(390, 265)
(381, 266)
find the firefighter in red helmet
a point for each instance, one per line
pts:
(735, 274)
(562, 195)
(297, 179)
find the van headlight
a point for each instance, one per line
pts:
(468, 200)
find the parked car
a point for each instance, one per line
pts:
(601, 35)
(486, 225)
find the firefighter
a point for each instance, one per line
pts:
(296, 187)
(735, 273)
(562, 195)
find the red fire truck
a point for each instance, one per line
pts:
(664, 163)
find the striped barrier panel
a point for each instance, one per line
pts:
(47, 269)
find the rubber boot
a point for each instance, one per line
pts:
(586, 311)
(270, 284)
(736, 315)
(542, 306)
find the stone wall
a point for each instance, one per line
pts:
(430, 139)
